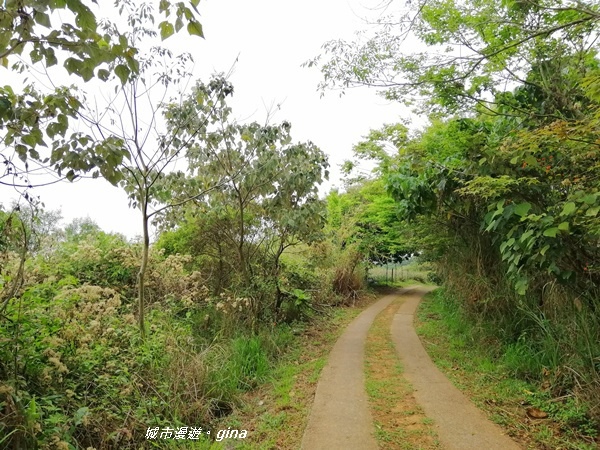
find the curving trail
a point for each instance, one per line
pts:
(340, 416)
(460, 425)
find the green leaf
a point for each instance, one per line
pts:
(178, 24)
(592, 211)
(80, 414)
(522, 209)
(5, 106)
(163, 6)
(568, 209)
(526, 235)
(103, 74)
(43, 19)
(564, 226)
(166, 30)
(50, 58)
(73, 65)
(195, 28)
(31, 412)
(590, 199)
(551, 232)
(85, 18)
(122, 71)
(544, 250)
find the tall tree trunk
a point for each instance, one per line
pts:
(279, 296)
(220, 281)
(143, 267)
(241, 255)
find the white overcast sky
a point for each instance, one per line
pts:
(272, 38)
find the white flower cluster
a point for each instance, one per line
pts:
(229, 304)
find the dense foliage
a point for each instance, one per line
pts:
(501, 191)
(502, 187)
(241, 256)
(74, 370)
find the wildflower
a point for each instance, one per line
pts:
(129, 318)
(62, 445)
(58, 364)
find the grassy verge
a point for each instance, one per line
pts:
(399, 421)
(276, 413)
(477, 363)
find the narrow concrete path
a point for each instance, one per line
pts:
(459, 424)
(340, 418)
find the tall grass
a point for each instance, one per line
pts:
(505, 376)
(547, 336)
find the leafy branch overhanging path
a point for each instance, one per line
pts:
(340, 416)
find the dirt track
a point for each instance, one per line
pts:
(340, 416)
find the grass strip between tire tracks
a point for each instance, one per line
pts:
(399, 421)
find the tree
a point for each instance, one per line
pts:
(269, 200)
(474, 50)
(368, 217)
(26, 26)
(133, 123)
(124, 148)
(93, 47)
(505, 178)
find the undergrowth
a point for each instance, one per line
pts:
(513, 379)
(76, 374)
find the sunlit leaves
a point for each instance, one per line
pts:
(522, 209)
(568, 209)
(166, 30)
